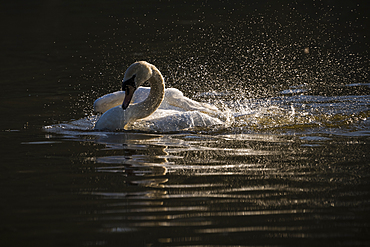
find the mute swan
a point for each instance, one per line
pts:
(118, 112)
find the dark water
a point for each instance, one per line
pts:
(294, 170)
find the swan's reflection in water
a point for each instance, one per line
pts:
(141, 164)
(194, 189)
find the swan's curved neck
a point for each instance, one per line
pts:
(154, 99)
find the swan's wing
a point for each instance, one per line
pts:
(140, 94)
(111, 100)
(175, 98)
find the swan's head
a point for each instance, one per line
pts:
(135, 76)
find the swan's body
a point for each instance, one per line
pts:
(162, 107)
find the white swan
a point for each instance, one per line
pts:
(173, 107)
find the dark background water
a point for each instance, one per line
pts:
(81, 49)
(57, 57)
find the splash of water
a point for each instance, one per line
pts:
(285, 114)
